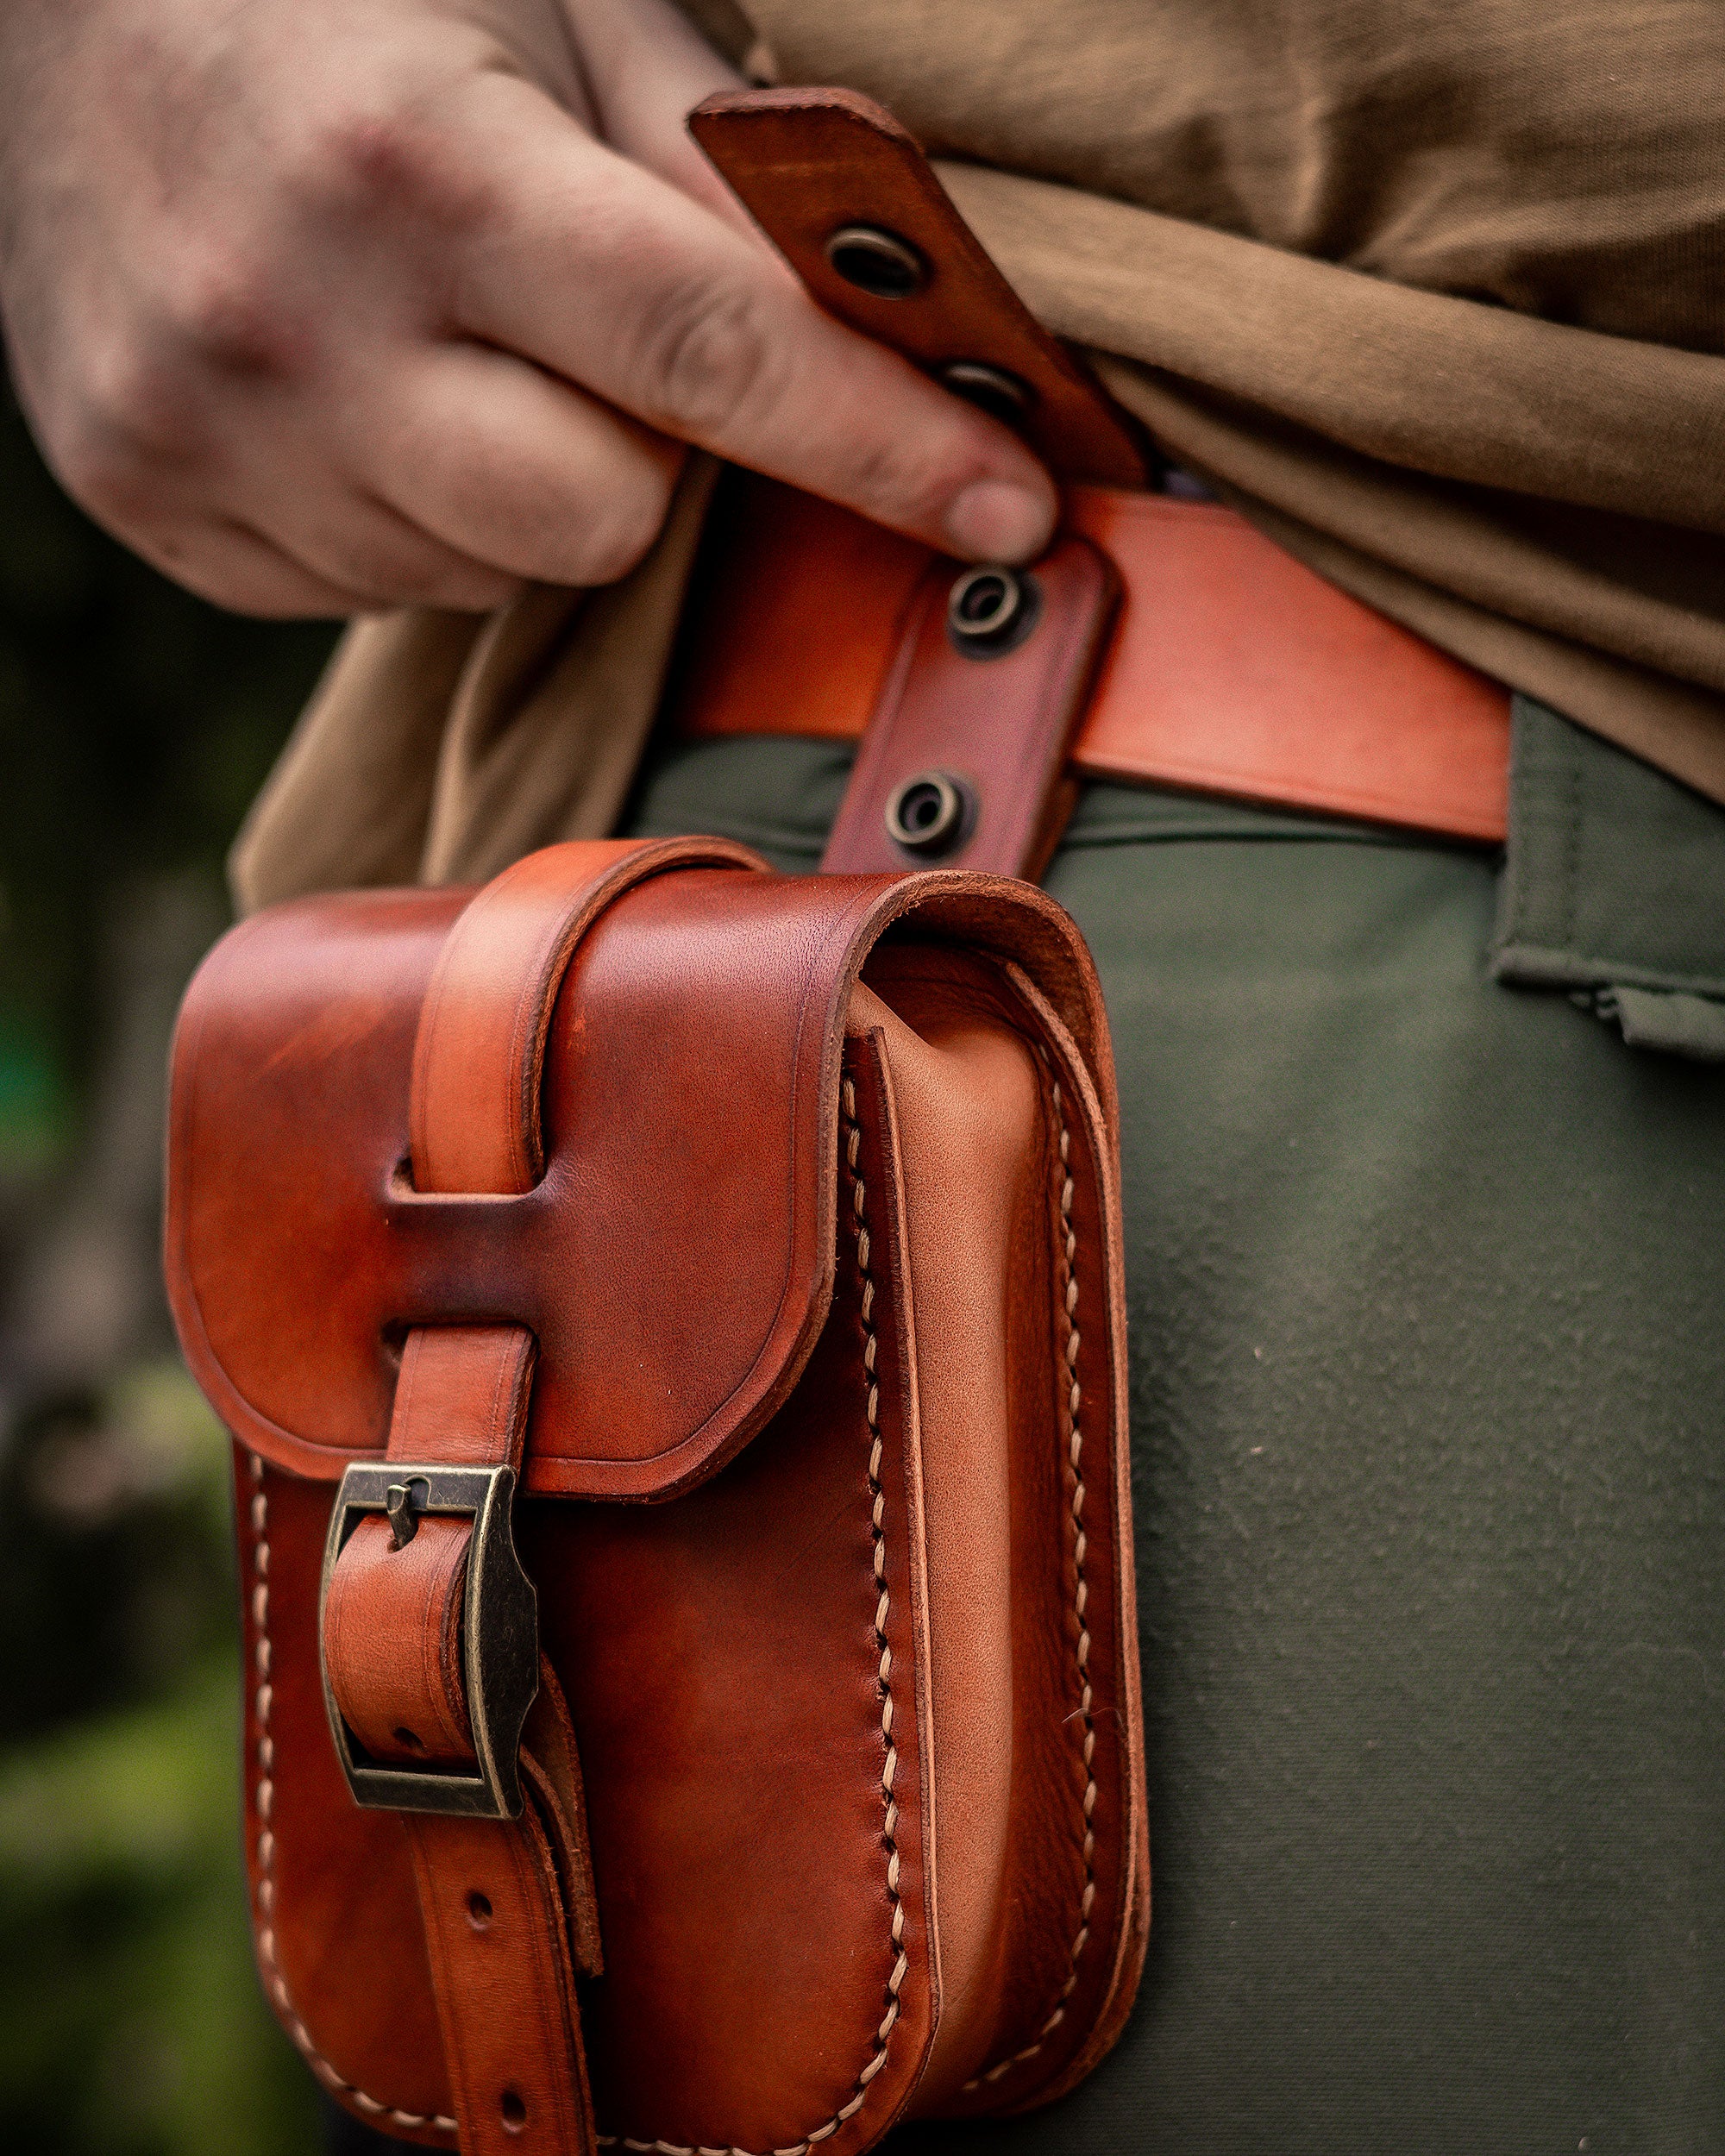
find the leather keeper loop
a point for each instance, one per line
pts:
(393, 1641)
(481, 1041)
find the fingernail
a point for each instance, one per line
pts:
(995, 520)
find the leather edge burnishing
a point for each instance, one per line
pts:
(1038, 951)
(854, 914)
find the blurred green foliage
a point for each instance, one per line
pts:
(135, 724)
(131, 2023)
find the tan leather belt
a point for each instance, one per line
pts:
(1232, 669)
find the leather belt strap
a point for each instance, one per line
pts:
(507, 1903)
(1233, 669)
(963, 756)
(847, 197)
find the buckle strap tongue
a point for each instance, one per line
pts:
(431, 1668)
(436, 1730)
(428, 1622)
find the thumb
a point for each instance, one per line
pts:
(608, 276)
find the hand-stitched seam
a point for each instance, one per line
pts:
(1067, 1308)
(877, 1499)
(272, 1974)
(262, 1703)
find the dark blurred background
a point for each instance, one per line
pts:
(135, 724)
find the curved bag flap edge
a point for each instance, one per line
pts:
(1014, 921)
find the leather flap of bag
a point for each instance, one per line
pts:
(674, 1259)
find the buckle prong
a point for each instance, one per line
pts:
(499, 1637)
(403, 1503)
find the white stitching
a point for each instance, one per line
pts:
(853, 1146)
(262, 1701)
(265, 1790)
(1081, 1596)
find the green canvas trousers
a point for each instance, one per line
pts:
(1425, 1190)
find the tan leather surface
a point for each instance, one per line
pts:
(290, 1122)
(392, 1640)
(723, 1656)
(807, 161)
(551, 1768)
(722, 1666)
(992, 1281)
(969, 1126)
(1233, 669)
(1067, 2033)
(499, 1929)
(340, 1946)
(491, 1904)
(1001, 723)
(502, 1903)
(462, 1396)
(830, 1719)
(392, 1617)
(480, 1046)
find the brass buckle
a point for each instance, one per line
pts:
(499, 1633)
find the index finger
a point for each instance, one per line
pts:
(606, 274)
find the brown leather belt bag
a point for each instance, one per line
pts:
(670, 1319)
(740, 1254)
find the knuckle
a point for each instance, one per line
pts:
(228, 312)
(910, 474)
(709, 357)
(381, 158)
(138, 418)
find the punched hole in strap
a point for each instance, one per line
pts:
(513, 2110)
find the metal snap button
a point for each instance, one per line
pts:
(1002, 396)
(929, 813)
(989, 609)
(877, 262)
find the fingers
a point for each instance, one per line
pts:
(608, 276)
(257, 502)
(504, 464)
(345, 534)
(417, 341)
(231, 565)
(274, 534)
(646, 67)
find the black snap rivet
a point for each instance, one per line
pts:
(877, 262)
(929, 814)
(1002, 396)
(989, 609)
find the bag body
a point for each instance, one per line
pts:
(798, 1239)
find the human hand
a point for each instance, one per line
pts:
(356, 303)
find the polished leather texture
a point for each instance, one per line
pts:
(1235, 669)
(401, 1708)
(944, 708)
(507, 1907)
(807, 163)
(852, 1709)
(1232, 669)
